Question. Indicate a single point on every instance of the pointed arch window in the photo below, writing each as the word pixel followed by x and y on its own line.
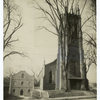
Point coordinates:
pixel 74 70
pixel 50 77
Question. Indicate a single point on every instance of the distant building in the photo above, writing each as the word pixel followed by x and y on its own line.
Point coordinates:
pixel 49 79
pixel 6 85
pixel 21 84
pixel 70 54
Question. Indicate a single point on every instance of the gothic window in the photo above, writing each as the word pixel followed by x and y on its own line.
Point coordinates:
pixel 13 90
pixel 74 70
pixel 22 83
pixel 76 30
pixel 50 77
pixel 73 37
pixel 22 76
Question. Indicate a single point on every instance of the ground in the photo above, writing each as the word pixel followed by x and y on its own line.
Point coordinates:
pixel 12 97
pixel 55 94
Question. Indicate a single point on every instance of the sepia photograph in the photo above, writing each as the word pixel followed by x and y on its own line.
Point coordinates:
pixel 49 49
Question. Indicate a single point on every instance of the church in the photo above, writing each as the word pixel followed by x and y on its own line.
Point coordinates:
pixel 68 71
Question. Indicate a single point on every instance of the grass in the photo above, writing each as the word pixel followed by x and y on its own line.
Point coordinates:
pixel 93 88
pixel 58 93
pixel 93 91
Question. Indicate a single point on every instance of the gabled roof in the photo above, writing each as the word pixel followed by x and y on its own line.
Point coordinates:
pixel 51 62
pixel 22 72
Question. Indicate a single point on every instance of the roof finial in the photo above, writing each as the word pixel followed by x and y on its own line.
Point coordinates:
pixel 72 9
pixel 78 10
pixel 66 7
pixel 44 60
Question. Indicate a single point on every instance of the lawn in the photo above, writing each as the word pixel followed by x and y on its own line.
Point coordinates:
pixel 58 93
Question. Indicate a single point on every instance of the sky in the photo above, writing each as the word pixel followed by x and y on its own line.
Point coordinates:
pixel 38 45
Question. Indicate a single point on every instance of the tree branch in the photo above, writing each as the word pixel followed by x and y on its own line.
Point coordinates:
pixel 83 7
pixel 14 52
pixel 86 21
pixel 41 27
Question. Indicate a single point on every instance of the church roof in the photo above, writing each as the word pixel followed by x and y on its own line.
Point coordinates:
pixel 51 62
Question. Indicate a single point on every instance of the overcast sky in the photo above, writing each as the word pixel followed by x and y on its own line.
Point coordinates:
pixel 38 45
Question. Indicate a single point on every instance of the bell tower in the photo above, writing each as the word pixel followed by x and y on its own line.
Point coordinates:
pixel 70 52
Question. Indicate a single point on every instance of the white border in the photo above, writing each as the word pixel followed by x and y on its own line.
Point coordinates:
pixel 98 49
pixel 1 49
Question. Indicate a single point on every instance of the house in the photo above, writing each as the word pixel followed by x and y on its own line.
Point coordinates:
pixel 70 54
pixel 21 84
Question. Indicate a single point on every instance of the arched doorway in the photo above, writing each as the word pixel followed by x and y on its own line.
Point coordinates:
pixel 21 92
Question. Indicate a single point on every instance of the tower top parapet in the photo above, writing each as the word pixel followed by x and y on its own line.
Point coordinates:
pixel 74 11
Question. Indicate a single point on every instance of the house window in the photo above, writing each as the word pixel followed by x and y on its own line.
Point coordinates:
pixel 29 83
pixel 74 70
pixel 22 76
pixel 50 77
pixel 28 90
pixel 21 92
pixel 14 83
pixel 22 83
pixel 13 90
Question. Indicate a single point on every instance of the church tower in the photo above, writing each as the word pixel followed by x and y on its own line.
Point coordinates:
pixel 70 60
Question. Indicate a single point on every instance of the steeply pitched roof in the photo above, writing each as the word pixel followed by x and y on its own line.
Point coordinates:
pixel 51 62
pixel 22 72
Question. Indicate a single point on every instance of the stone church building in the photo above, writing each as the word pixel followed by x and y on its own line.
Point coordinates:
pixel 21 84
pixel 70 53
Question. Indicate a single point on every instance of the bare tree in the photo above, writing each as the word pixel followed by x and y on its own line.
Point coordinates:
pixel 12 23
pixel 56 13
pixel 91 53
